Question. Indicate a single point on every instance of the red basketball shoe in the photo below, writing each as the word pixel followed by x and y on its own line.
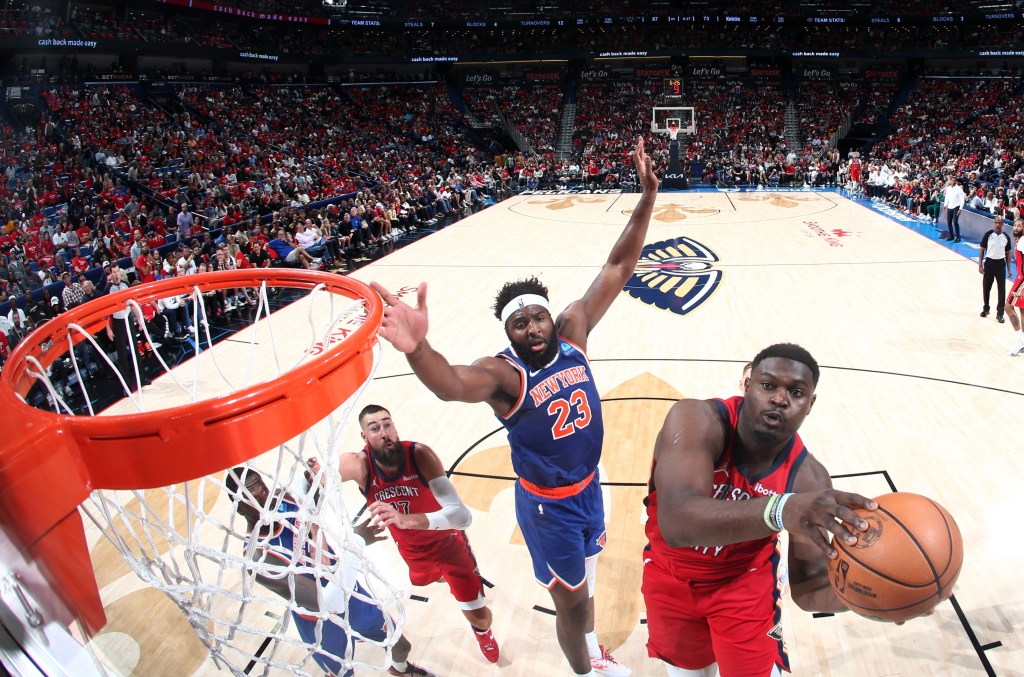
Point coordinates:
pixel 488 645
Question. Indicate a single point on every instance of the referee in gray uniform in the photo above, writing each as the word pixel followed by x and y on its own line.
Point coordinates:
pixel 993 261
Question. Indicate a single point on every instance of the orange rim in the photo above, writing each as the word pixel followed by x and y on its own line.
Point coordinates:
pixel 50 462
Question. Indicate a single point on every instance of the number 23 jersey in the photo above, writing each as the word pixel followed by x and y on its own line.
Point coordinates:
pixel 555 428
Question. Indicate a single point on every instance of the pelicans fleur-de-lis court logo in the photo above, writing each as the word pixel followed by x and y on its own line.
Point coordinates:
pixel 777 200
pixel 676 275
pixel 672 212
pixel 565 201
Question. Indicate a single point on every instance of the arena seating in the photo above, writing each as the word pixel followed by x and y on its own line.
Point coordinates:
pixel 105 161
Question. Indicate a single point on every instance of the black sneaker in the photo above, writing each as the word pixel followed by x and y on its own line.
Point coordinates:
pixel 412 669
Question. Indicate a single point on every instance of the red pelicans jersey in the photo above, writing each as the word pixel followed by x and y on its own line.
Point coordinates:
pixel 716 563
pixel 409 493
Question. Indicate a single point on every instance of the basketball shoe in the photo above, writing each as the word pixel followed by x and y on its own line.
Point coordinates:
pixel 1018 347
pixel 488 645
pixel 607 665
pixel 412 670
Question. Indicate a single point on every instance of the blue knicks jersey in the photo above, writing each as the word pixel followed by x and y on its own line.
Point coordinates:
pixel 555 428
pixel 280 542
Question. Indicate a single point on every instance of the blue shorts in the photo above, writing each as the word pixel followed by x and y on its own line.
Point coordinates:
pixel 562 533
pixel 365 618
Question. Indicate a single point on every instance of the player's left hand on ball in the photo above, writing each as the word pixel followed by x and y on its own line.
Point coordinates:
pixel 369 531
pixel 818 513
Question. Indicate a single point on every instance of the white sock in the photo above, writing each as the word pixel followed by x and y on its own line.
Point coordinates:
pixel 593 646
pixel 401 667
pixel 1020 333
pixel 709 671
pixel 586 674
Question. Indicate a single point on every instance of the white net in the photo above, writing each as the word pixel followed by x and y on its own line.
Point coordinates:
pixel 272 581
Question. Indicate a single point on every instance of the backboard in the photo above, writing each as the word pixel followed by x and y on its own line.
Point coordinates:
pixel 663 116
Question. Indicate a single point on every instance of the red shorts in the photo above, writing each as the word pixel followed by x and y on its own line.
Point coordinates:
pixel 1019 303
pixel 736 623
pixel 452 559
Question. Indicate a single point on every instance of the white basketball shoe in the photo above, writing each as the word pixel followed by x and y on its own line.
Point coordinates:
pixel 609 667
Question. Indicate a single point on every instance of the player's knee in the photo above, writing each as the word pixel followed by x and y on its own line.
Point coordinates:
pixel 572 606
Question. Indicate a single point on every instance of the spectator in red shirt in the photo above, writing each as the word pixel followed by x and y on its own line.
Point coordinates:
pixel 121 222
pixel 144 266
pixel 79 263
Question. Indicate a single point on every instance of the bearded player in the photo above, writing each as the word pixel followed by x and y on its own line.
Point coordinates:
pixel 407 490
pixel 542 390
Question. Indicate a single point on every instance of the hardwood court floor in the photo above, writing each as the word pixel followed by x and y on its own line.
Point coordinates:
pixel 917 394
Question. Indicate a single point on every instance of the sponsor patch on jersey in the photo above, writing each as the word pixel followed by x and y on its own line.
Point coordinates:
pixel 676 275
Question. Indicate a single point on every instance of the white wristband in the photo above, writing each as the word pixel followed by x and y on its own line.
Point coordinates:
pixel 778 511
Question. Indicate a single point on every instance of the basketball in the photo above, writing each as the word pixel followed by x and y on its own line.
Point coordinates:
pixel 904 564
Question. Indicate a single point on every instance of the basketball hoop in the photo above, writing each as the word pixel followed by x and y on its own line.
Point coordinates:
pixel 673 120
pixel 290 400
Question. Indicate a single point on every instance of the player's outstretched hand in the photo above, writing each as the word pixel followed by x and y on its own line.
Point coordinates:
pixel 645 168
pixel 386 515
pixel 370 532
pixel 402 326
pixel 815 514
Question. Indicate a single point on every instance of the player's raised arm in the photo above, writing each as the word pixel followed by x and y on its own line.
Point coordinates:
pixel 624 254
pixel 406 327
